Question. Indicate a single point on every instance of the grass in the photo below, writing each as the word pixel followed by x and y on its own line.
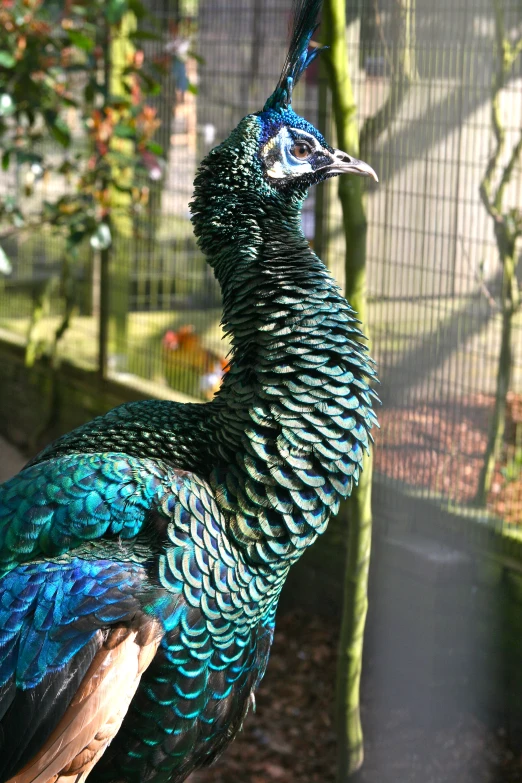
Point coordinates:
pixel 145 331
pixel 396 327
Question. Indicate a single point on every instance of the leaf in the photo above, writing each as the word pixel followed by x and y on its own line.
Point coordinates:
pixel 7 60
pixel 155 148
pixel 24 156
pixel 118 158
pixel 65 167
pixel 5 159
pixel 148 83
pixel 66 100
pixel 60 131
pixel 18 219
pixel 5 265
pixel 81 41
pixel 90 90
pixel 10 203
pixel 197 57
pixel 144 35
pixel 101 239
pixel 137 8
pixel 118 102
pixel 123 131
pixel 57 127
pixel 120 188
pixel 192 88
pixel 76 237
pixel 116 10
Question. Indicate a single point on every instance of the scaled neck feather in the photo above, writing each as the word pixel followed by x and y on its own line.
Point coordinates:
pixel 293 415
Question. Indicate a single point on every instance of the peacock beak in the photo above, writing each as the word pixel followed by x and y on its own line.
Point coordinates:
pixel 342 163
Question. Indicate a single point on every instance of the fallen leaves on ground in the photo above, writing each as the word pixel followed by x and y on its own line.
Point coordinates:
pixel 440 447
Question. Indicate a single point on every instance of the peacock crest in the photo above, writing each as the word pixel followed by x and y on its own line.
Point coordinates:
pixel 299 54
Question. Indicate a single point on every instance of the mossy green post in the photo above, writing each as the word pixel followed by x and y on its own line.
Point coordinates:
pixel 507 224
pixel 121 51
pixel 358 508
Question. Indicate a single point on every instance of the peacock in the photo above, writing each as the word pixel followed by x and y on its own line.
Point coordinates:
pixel 143 554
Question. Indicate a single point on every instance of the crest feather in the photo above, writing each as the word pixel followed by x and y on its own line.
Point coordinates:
pixel 299 57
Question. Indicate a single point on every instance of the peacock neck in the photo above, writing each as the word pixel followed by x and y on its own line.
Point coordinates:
pixel 292 416
pixel 257 280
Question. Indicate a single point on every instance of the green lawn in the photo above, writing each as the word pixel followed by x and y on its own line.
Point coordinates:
pixel 144 356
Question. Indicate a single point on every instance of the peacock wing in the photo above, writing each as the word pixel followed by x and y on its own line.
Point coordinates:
pixel 75 639
pixel 190 705
pixel 71 502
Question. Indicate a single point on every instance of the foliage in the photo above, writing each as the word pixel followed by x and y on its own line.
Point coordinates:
pixel 54 59
pixel 70 117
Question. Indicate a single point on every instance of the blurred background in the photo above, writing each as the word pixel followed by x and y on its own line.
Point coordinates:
pixel 438 90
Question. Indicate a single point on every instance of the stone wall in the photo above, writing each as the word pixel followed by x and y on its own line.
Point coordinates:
pixel 37 406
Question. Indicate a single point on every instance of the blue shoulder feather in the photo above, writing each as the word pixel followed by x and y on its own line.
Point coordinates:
pixel 55 506
pixel 49 611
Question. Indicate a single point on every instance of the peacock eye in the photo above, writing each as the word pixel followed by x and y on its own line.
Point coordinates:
pixel 301 150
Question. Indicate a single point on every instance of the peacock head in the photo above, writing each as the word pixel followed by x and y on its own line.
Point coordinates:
pixel 293 154
pixel 271 158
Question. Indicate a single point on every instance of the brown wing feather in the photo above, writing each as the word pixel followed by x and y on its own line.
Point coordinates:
pixel 98 708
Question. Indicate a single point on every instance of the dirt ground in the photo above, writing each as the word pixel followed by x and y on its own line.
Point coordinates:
pixel 440 447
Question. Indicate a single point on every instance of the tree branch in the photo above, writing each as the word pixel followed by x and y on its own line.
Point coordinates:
pixel 490 203
pixel 379 26
pixel 507 173
pixel 402 67
pixel 479 278
pixel 507 228
pixel 516 49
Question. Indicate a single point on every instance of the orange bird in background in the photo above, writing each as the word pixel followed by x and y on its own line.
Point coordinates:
pixel 185 348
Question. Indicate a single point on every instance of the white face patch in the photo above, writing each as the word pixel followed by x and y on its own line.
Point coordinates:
pixel 279 161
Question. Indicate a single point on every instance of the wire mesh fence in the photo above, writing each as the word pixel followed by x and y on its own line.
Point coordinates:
pixel 436 276
pixel 442 141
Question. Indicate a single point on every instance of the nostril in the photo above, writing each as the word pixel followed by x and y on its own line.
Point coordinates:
pixel 342 156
